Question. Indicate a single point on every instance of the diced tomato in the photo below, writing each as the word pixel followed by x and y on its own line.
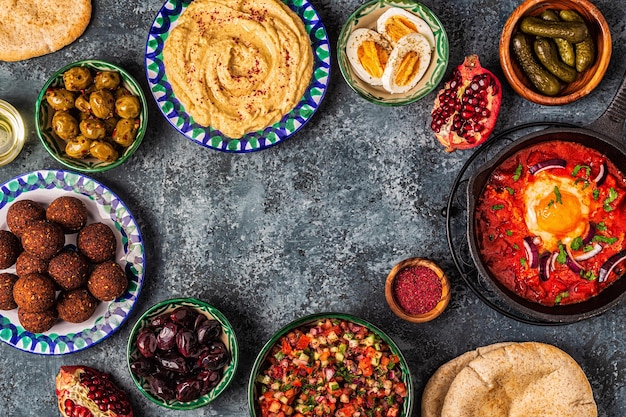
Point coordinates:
pixel 384 361
pixel 286 347
pixel 303 342
pixel 346 411
pixel 297 383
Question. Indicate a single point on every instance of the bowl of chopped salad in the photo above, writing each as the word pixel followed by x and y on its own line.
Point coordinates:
pixel 330 364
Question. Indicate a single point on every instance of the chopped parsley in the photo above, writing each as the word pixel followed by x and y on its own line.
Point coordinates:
pixel 587 248
pixel 562 257
pixel 560 297
pixel 577 168
pixel 604 239
pixel 577 243
pixel 509 233
pixel 497 207
pixel 584 181
pixel 510 190
pixel 612 197
pixel 518 173
pixel 601 226
pixel 588 275
pixel 557 193
pixel 515 246
pixel 522 261
pixel 596 194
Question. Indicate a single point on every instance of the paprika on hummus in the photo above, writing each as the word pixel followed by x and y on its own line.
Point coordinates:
pixel 238 65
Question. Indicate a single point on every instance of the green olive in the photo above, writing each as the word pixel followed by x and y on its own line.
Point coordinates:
pixel 64 125
pixel 125 132
pixel 121 92
pixel 103 151
pixel 102 103
pixel 77 78
pixel 60 99
pixel 82 104
pixel 78 147
pixel 110 124
pixel 107 79
pixel 92 128
pixel 128 107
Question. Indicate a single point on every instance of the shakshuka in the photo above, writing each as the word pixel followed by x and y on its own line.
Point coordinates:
pixel 551 223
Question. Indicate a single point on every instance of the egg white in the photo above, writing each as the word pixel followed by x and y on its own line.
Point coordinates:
pixel 420 24
pixel 543 186
pixel 411 42
pixel 352 46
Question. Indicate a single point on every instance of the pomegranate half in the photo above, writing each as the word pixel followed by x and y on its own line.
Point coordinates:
pixel 86 392
pixel 467 107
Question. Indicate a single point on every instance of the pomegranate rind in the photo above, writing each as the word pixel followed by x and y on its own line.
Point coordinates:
pixel 69 387
pixel 445 134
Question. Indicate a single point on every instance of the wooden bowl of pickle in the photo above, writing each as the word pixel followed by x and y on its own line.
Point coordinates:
pixel 91 115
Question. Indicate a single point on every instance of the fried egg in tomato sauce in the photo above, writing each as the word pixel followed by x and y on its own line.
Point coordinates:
pixel 556 207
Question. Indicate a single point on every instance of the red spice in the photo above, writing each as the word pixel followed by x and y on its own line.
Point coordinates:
pixel 417 289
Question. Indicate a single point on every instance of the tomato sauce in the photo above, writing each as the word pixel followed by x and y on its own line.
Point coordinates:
pixel 501 226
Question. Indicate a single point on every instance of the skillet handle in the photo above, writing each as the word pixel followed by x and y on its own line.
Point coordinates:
pixel 611 122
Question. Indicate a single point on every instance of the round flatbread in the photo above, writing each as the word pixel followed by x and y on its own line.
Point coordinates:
pixel 30 28
pixel 438 384
pixel 520 380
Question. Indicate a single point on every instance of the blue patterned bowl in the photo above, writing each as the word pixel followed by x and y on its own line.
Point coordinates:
pixel 211 138
pixel 103 206
pixel 365 17
pixel 228 337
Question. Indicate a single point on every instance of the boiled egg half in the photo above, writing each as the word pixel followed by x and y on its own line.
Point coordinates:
pixel 557 209
pixel 407 63
pixel 368 52
pixel 395 23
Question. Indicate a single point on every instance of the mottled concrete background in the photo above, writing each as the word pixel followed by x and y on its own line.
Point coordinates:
pixel 311 225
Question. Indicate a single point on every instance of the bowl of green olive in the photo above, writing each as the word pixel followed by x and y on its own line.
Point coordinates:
pixel 555 52
pixel 91 115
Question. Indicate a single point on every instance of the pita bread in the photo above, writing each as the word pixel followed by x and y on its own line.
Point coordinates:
pixel 520 380
pixel 30 28
pixel 438 384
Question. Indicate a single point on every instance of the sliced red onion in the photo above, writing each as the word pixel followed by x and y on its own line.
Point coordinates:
pixel 329 373
pixel 588 255
pixel 571 262
pixel 552 261
pixel 531 252
pixel 590 233
pixel 544 269
pixel 549 164
pixel 609 265
pixel 599 179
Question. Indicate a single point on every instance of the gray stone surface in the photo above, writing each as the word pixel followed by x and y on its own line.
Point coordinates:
pixel 311 225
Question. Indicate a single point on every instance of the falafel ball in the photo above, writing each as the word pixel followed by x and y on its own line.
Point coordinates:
pixel 107 281
pixel 76 306
pixel 37 321
pixel 34 292
pixel 22 213
pixel 69 212
pixel 10 249
pixel 27 263
pixel 69 269
pixel 43 239
pixel 7 281
pixel 97 242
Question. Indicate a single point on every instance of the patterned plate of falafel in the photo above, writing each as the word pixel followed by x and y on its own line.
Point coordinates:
pixel 71 262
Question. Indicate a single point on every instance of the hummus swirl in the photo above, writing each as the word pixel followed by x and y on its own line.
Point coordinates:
pixel 238 65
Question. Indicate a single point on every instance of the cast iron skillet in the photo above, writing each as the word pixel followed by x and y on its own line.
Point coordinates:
pixel 605 135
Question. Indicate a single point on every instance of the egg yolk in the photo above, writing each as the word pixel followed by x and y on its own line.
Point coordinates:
pixel 399 26
pixel 558 213
pixel 408 68
pixel 373 58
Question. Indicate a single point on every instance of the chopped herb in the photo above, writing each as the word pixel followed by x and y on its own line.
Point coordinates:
pixel 509 233
pixel 497 207
pixel 577 168
pixel 390 400
pixel 601 226
pixel 562 257
pixel 279 355
pixel 577 243
pixel 515 246
pixel 558 195
pixel 587 248
pixel 596 194
pixel 588 275
pixel 604 239
pixel 612 197
pixel 518 173
pixel 522 261
pixel 560 297
pixel 550 203
pixel 510 190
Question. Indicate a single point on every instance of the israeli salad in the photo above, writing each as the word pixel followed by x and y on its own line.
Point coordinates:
pixel 331 368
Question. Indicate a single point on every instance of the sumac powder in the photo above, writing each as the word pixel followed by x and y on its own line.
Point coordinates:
pixel 417 289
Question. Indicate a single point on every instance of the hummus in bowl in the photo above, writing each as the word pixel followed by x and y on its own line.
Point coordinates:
pixel 238 66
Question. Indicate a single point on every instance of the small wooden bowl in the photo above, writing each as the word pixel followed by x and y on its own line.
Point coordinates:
pixel 419 318
pixel 586 81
